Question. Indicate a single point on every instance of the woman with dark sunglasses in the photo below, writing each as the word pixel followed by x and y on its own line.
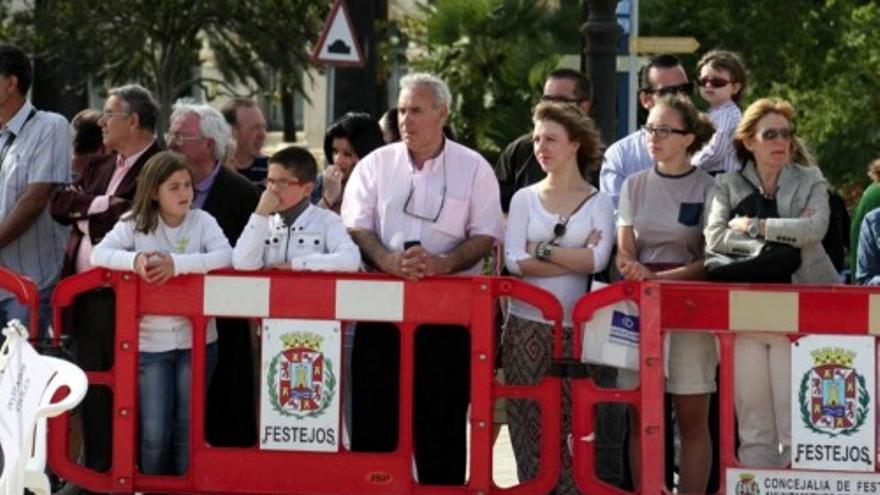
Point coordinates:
pixel 788 199
pixel 722 83
pixel 660 236
pixel 559 232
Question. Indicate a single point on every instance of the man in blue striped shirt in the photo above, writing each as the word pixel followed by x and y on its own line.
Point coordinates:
pixel 662 76
pixel 34 159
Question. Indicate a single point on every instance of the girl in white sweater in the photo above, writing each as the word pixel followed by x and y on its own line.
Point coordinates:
pixel 161 237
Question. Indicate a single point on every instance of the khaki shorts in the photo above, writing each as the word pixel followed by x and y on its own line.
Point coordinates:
pixel 691 362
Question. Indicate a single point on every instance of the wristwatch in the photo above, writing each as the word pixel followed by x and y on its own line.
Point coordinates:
pixel 753 228
pixel 543 250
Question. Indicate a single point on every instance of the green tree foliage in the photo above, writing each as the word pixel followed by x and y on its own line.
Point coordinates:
pixel 159 43
pixel 270 37
pixel 494 54
pixel 822 55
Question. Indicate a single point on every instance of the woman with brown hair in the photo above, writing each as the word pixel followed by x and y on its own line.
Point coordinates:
pixel 559 232
pixel 779 198
pixel 660 236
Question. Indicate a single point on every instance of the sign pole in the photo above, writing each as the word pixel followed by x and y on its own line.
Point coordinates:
pixel 331 92
pixel 633 89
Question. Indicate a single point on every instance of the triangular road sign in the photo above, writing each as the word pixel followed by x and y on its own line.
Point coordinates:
pixel 338 45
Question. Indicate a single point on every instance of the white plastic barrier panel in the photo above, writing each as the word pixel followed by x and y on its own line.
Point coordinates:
pixel 783 482
pixel 832 403
pixel 299 390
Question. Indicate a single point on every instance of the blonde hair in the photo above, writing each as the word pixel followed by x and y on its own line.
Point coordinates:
pixel 145 207
pixel 748 127
pixel 579 128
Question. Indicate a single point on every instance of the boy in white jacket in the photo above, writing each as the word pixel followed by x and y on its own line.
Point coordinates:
pixel 287 232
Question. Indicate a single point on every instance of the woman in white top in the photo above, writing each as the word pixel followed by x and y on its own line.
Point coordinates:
pixel 660 236
pixel 559 232
pixel 161 237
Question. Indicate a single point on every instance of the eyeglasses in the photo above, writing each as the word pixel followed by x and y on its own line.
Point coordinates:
pixel 785 133
pixel 560 99
pixel 662 132
pixel 715 82
pixel 283 183
pixel 106 114
pixel 412 189
pixel 686 88
pixel 179 138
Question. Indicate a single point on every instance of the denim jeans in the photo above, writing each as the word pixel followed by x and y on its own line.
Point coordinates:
pixel 11 309
pixel 163 395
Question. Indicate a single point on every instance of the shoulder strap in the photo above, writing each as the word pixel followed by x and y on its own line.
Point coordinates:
pixel 578 207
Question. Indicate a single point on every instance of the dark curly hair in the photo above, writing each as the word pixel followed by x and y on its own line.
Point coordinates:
pixel 361 130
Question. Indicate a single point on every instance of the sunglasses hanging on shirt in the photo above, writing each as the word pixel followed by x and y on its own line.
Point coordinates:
pixel 560 227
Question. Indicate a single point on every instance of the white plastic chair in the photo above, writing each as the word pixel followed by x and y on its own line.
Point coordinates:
pixel 23 422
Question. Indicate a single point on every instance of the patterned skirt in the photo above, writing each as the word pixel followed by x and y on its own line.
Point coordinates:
pixel 526 357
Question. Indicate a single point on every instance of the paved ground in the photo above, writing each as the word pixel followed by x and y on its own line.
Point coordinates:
pixel 504 468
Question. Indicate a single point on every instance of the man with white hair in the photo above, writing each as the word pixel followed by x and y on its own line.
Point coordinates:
pixel 200 133
pixel 420 207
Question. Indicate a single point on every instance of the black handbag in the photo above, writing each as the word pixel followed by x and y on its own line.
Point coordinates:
pixel 773 263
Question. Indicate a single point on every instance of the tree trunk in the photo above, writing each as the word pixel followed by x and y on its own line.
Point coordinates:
pixel 288 115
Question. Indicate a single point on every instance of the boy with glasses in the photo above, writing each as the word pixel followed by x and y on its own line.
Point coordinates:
pixel 286 231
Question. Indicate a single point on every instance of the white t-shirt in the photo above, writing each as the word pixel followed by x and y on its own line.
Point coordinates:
pixel 528 221
pixel 197 245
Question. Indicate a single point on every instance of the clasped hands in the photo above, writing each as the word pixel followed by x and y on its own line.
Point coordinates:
pixel 154 267
pixel 415 263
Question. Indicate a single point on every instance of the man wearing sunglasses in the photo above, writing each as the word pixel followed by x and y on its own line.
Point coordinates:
pixel 420 207
pixel 664 75
pixel 517 166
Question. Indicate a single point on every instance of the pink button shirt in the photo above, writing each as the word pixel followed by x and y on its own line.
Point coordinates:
pixel 101 204
pixel 380 184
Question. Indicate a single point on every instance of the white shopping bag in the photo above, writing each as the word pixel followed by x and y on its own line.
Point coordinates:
pixel 611 337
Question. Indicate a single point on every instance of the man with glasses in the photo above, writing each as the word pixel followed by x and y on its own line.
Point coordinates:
pixel 34 157
pixel 420 207
pixel 663 75
pixel 200 133
pixel 92 205
pixel 517 166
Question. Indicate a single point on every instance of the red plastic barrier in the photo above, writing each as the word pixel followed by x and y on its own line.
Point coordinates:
pixel 25 291
pixel 465 301
pixel 723 309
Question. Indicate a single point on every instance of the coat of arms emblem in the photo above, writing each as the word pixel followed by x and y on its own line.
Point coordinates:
pixel 833 396
pixel 747 485
pixel 301 380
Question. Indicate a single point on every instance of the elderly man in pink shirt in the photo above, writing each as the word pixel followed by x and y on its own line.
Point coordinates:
pixel 420 207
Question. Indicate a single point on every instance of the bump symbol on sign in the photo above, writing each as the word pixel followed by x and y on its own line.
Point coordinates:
pixel 339 46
